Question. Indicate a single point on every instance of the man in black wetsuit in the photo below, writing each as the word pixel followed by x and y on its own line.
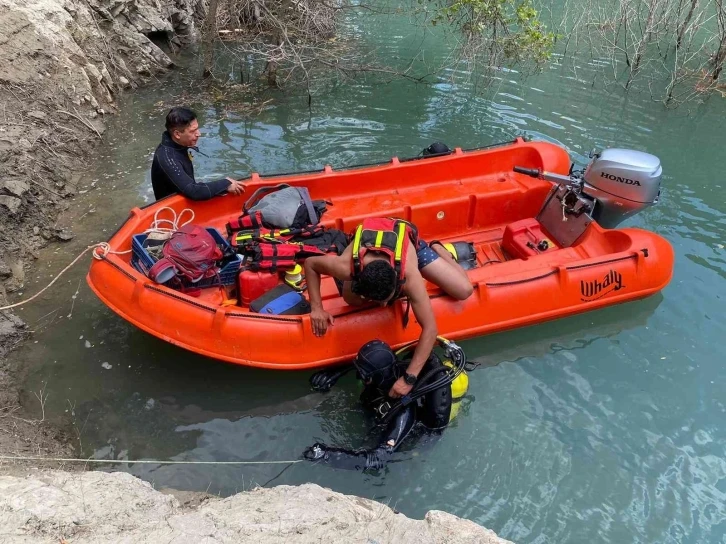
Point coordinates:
pixel 172 170
pixel 379 367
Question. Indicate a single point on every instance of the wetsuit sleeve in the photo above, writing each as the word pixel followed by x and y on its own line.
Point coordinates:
pixel 185 183
pixel 368 459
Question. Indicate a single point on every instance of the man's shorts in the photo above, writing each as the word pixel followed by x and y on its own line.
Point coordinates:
pixel 425 255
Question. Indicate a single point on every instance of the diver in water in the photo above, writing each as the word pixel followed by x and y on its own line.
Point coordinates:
pixel 433 402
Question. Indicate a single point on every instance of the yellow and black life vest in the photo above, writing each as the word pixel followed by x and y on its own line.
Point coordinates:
pixel 389 236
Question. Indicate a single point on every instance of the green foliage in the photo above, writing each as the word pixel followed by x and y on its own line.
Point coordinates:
pixel 498 31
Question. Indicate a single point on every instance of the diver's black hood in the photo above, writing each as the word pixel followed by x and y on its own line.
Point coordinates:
pixel 376 365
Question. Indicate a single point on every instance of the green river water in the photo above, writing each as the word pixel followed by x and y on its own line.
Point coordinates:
pixel 606 427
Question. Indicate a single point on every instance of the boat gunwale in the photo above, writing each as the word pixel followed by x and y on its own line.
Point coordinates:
pixel 131 273
pixel 461 334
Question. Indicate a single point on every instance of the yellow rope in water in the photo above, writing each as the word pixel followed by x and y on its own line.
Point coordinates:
pixel 106 248
pixel 146 461
pixel 44 289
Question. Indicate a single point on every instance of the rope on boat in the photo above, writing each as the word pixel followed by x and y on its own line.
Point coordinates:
pixel 156 227
pixel 145 461
pixel 162 232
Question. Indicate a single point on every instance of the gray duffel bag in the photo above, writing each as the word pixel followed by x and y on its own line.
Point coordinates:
pixel 283 206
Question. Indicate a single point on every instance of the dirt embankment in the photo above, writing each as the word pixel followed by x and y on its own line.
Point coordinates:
pixel 100 507
pixel 64 62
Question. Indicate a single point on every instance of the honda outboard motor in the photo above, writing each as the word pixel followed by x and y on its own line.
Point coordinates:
pixel 623 182
pixel 616 184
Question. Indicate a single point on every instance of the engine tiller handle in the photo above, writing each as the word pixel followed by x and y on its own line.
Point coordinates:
pixel 534 172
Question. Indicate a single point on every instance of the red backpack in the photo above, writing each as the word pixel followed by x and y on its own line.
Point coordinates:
pixel 191 253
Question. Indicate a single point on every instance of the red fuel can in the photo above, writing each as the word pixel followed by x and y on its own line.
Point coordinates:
pixel 525 238
pixel 251 285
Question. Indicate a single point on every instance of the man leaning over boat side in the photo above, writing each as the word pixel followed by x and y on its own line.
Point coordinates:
pixel 374 275
pixel 172 170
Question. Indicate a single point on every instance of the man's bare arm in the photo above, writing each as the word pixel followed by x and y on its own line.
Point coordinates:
pixel 315 267
pixel 415 289
pixel 424 313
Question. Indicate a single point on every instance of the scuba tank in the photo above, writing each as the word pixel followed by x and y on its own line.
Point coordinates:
pixel 459 387
pixel 462 252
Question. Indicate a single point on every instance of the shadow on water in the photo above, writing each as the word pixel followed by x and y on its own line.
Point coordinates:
pixel 569 334
pixel 172 388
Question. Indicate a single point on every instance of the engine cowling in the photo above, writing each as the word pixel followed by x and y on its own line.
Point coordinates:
pixel 623 182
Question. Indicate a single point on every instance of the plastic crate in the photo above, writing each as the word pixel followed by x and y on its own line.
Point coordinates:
pixel 142 261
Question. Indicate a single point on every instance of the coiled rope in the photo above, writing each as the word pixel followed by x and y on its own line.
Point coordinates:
pixel 145 461
pixel 156 231
pixel 156 227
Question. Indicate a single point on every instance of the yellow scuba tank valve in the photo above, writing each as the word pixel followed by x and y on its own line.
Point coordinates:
pixel 460 384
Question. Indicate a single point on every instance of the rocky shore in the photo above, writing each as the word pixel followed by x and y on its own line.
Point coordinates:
pixel 64 63
pixel 99 507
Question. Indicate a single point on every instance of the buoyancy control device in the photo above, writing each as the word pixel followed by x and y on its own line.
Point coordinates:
pixel 426 383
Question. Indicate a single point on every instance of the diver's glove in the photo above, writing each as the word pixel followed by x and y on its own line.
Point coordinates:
pixel 324 379
pixel 316 452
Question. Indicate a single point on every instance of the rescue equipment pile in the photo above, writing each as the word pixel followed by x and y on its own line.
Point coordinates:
pixel 272 235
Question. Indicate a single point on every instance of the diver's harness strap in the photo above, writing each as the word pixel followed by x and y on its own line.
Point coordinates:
pixel 424 385
pixel 381 409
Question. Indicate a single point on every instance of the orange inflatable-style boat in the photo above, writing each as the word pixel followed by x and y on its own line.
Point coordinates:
pixel 543 251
